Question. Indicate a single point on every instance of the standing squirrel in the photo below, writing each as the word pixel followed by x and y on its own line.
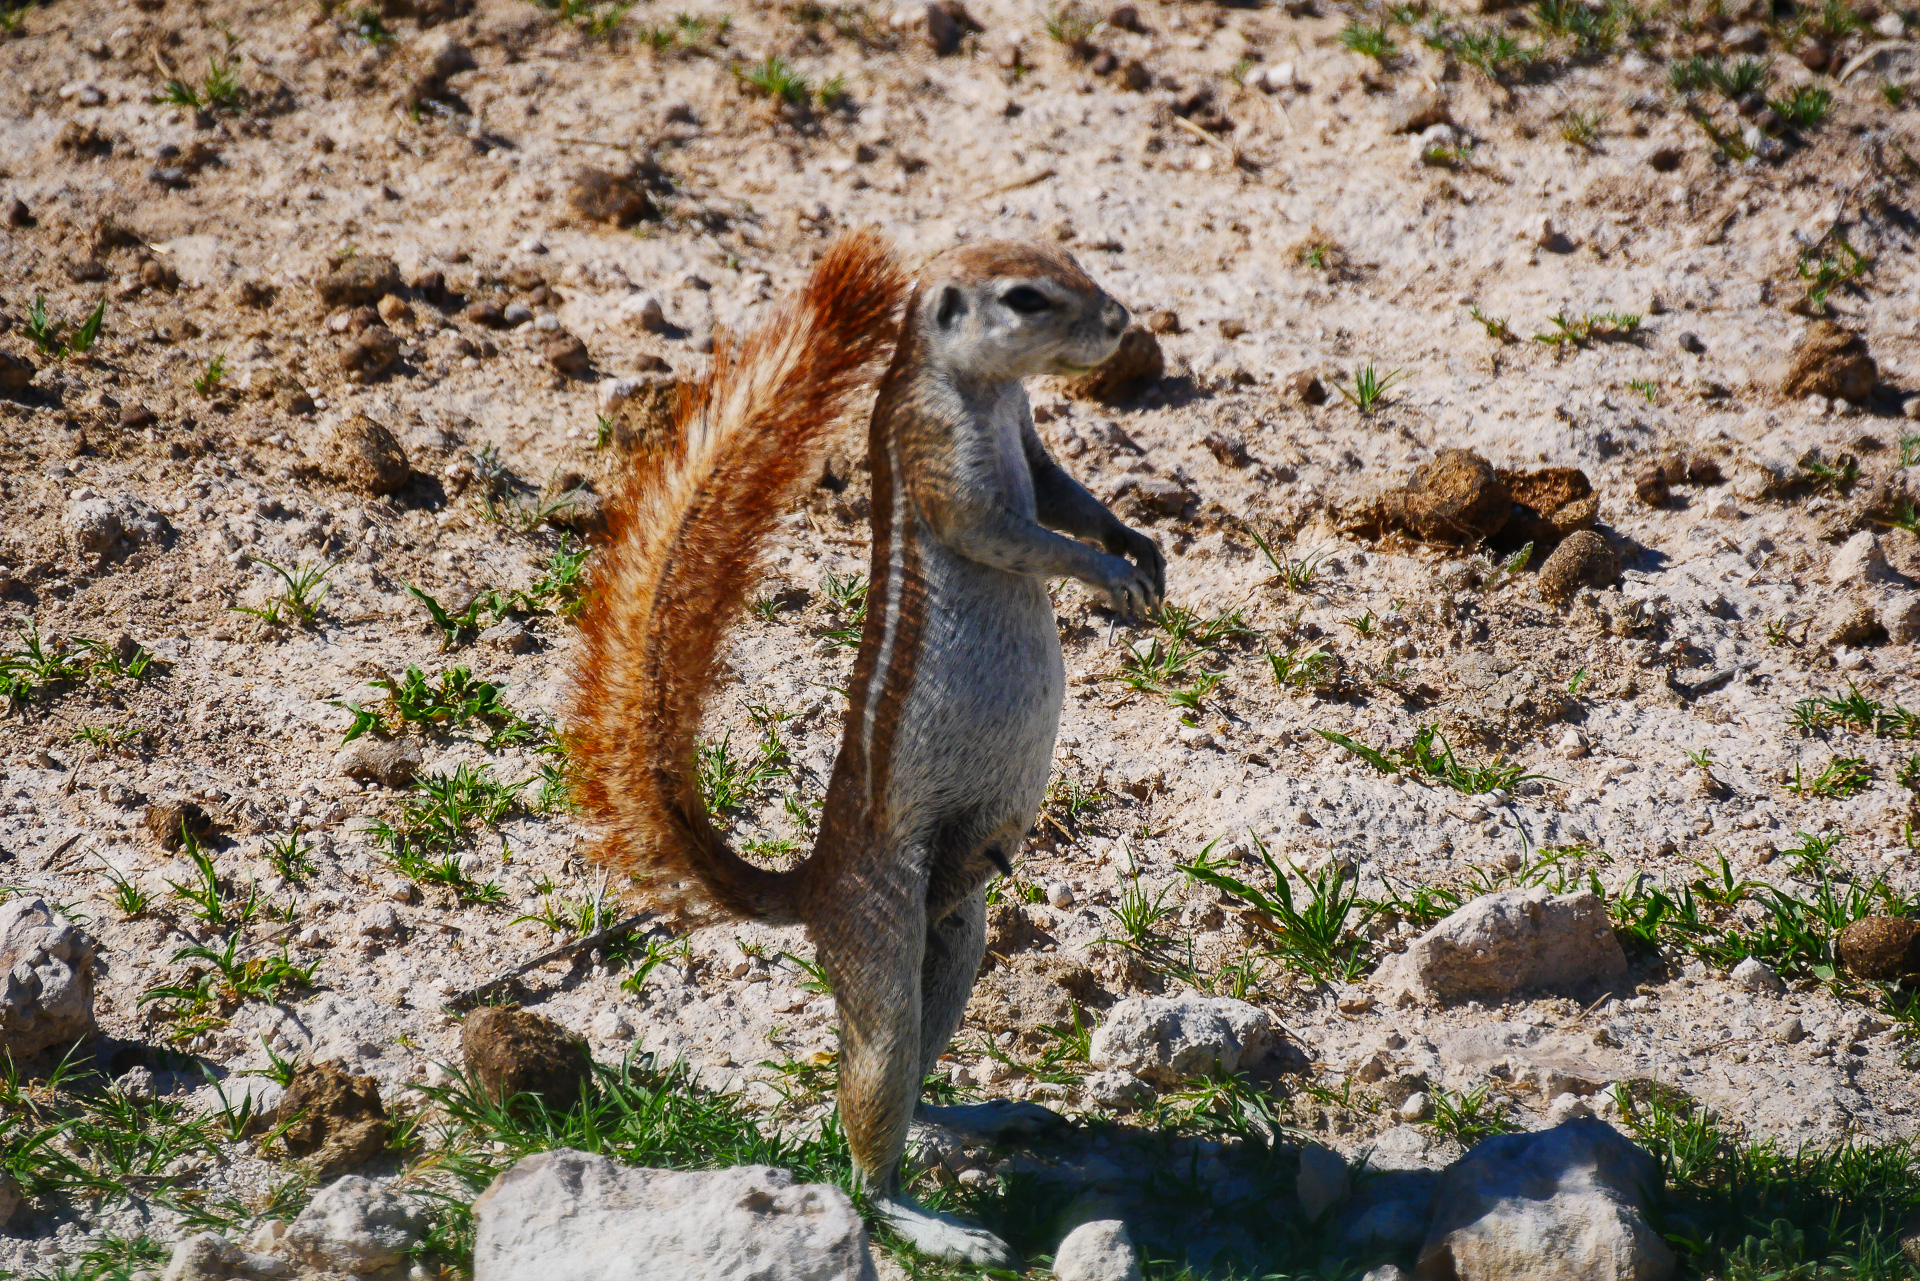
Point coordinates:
pixel 957 688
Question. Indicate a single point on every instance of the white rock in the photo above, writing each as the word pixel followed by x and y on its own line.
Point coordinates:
pixel 1756 975
pixel 1387 1272
pixel 532 245
pixel 1275 77
pixel 1889 25
pixel 1323 1181
pixel 1566 1204
pixel 1567 1107
pixel 379 921
pixel 209 1256
pixel 1116 1090
pixel 612 1025
pixel 1059 894
pixel 1572 744
pixel 46 979
pixel 1414 1107
pixel 1097 1251
pixel 571 1216
pixel 1900 616
pixel 1859 561
pixel 1505 942
pixel 354 1225
pixel 101 526
pixel 644 312
pixel 1168 1039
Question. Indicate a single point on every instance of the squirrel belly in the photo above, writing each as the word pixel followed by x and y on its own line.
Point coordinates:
pixel 687 533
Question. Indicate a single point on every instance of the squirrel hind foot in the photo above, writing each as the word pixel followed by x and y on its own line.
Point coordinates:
pixel 943 1236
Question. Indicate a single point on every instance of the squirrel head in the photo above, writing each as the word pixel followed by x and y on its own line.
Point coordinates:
pixel 1004 309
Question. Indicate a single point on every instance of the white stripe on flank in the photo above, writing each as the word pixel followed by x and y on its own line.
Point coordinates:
pixel 877 681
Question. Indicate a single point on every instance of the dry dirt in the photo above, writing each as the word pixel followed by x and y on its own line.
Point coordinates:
pixel 1287 230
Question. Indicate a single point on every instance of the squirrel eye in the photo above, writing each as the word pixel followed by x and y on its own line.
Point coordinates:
pixel 1026 300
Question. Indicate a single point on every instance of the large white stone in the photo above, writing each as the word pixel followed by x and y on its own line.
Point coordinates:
pixel 46 979
pixel 572 1216
pixel 1566 1204
pixel 1097 1251
pixel 1170 1039
pixel 354 1225
pixel 1509 941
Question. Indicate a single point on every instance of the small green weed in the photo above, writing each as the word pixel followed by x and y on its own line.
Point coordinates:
pixel 1369 387
pixel 1804 107
pixel 49 335
pixel 299 596
pixel 1468 1117
pixel 1369 41
pixel 1582 128
pixel 1842 776
pixel 208 380
pixel 1831 264
pixel 1070 25
pixel 1595 326
pixel 775 78
pixel 453 702
pixel 1430 756
pixel 1496 326
pixel 1319 936
pixel 288 855
pixel 846 595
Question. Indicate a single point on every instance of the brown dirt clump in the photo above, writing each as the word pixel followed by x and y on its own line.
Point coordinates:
pixel 599 195
pixel 363 455
pixel 333 1118
pixel 1881 948
pixel 1456 498
pixel 359 281
pixel 511 1052
pixel 166 819
pixel 1135 365
pixel 1548 504
pixel 1833 362
pixel 1582 559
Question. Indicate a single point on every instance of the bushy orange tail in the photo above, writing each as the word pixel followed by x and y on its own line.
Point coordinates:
pixel 688 530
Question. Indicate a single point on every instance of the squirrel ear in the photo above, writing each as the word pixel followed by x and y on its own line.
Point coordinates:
pixel 952 305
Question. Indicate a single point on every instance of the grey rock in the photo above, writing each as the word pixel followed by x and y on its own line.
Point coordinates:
pixel 1756 975
pixel 1116 1090
pixel 209 1256
pixel 390 762
pixel 1900 618
pixel 1565 1204
pixel 1388 1214
pixel 102 527
pixel 1166 1040
pixel 1417 110
pixel 1387 1272
pixel 509 634
pixel 572 1216
pixel 1509 941
pixel 1322 1183
pixel 1097 1251
pixel 1790 1031
pixel 46 979
pixel 354 1225
pixel 1859 561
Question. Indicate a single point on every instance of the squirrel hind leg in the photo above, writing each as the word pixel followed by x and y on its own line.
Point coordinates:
pixel 942 1236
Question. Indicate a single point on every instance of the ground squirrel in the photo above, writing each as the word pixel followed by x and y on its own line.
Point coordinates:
pixel 956 692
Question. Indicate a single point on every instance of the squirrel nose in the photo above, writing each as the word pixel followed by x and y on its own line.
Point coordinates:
pixel 1116 318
